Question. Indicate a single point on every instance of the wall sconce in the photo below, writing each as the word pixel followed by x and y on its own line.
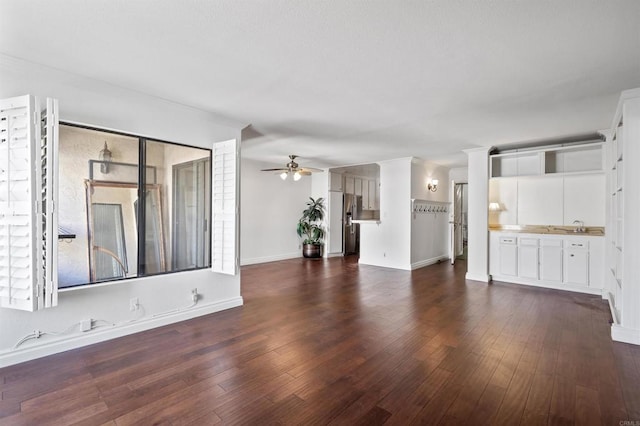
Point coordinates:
pixel 105 157
pixel 432 185
pixel 495 207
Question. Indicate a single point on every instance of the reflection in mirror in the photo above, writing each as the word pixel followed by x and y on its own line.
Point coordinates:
pixel 110 249
pixel 122 196
pixel 107 251
pixel 154 232
pixel 186 173
pixel 191 200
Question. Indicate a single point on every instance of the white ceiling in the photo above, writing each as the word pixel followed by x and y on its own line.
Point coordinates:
pixel 344 82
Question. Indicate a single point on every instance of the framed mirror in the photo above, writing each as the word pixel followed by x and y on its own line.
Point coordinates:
pixel 112 222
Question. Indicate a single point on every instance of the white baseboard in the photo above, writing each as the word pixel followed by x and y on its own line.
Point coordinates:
pixel 427 262
pixel 403 267
pixel 614 314
pixel 39 349
pixel 485 278
pixel 334 255
pixel 265 259
pixel 626 335
pixel 548 284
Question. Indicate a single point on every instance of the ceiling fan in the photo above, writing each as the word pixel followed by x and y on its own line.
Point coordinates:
pixel 293 168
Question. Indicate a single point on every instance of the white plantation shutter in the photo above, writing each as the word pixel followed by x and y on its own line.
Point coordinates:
pixel 49 193
pixel 224 199
pixel 26 250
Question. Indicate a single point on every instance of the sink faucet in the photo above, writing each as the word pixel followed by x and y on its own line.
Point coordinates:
pixel 580 228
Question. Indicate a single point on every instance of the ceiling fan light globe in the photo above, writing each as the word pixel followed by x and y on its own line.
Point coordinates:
pixel 297 176
pixel 284 175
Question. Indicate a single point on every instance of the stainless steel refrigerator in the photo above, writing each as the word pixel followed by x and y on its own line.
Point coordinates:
pixel 352 209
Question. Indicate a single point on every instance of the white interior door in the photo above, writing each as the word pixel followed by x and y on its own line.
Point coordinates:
pixel 456 222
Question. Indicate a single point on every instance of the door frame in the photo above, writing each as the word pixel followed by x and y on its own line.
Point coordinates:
pixel 452 193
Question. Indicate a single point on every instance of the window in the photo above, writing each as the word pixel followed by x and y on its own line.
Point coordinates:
pixel 126 232
pixel 128 206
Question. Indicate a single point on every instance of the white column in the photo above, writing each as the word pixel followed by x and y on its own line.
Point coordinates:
pixel 478 233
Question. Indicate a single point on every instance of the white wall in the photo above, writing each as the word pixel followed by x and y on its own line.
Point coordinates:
pixel 429 231
pixel 478 235
pixel 270 211
pixel 459 175
pixel 388 243
pixel 95 103
pixel 421 172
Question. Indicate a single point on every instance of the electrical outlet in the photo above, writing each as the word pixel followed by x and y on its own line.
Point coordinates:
pixel 194 294
pixel 134 304
pixel 85 324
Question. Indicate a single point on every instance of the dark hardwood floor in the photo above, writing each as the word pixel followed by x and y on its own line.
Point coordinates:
pixel 331 342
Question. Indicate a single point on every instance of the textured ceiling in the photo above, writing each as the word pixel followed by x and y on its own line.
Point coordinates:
pixel 346 82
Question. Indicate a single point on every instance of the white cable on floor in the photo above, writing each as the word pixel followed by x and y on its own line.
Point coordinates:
pixel 37 333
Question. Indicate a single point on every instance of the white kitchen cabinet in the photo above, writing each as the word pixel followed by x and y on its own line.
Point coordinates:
pixel 565 262
pixel 377 189
pixel 349 185
pixel 365 194
pixel 508 264
pixel 577 263
pixel 373 202
pixel 335 183
pixel 549 186
pixel 528 258
pixel 586 157
pixel 551 260
pixel 366 188
pixel 357 183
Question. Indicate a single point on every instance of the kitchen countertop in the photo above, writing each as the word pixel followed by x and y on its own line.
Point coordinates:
pixel 591 231
pixel 365 221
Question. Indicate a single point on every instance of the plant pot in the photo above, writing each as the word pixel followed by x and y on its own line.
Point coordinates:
pixel 312 251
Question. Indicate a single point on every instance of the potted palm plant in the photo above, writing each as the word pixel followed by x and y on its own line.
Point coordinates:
pixel 310 226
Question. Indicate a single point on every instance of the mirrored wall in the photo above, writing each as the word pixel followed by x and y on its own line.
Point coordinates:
pixel 104 214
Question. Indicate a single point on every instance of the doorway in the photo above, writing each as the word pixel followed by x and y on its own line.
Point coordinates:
pixel 459 222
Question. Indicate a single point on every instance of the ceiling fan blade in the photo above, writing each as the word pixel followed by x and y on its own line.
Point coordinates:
pixel 292 167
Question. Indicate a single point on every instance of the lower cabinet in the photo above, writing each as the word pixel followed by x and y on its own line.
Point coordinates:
pixel 528 258
pixel 551 260
pixel 577 263
pixel 508 256
pixel 557 261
